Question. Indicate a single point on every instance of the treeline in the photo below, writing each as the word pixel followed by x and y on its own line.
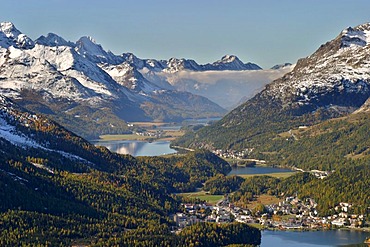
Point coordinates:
pixel 261 126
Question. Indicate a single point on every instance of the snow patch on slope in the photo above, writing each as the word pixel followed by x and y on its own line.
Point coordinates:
pixel 10 134
pixel 360 36
pixel 8 131
pixel 43 167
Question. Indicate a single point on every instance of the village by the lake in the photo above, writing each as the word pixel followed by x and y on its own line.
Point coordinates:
pixel 289 214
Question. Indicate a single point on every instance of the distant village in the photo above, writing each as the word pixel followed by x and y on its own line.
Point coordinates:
pixel 154 134
pixel 290 214
pixel 233 154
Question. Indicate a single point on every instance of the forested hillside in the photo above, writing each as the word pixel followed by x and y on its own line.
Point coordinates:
pixel 340 147
pixel 332 144
pixel 56 189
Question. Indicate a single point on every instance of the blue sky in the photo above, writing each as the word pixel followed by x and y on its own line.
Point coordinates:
pixel 266 32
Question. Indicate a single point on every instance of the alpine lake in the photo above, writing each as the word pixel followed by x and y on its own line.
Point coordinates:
pixel 150 147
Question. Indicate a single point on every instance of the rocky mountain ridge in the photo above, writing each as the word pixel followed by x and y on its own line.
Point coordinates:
pixel 74 81
pixel 336 74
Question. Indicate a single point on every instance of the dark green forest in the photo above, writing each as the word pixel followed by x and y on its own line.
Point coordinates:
pixel 59 207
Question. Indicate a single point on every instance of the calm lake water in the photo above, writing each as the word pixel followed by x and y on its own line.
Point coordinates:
pixel 138 148
pixel 256 170
pixel 312 239
pixel 143 148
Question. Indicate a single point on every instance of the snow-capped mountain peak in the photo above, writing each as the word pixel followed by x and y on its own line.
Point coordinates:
pixel 281 66
pixel 175 65
pixel 11 36
pixel 9 29
pixel 52 39
pixel 230 62
pixel 147 64
pixel 133 60
pixel 229 59
pixel 87 47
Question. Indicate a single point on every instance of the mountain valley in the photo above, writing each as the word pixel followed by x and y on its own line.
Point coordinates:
pixel 57 189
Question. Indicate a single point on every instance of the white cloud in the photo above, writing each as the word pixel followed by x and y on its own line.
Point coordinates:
pixel 226 88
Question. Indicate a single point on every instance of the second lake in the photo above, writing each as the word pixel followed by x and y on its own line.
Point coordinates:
pixel 240 170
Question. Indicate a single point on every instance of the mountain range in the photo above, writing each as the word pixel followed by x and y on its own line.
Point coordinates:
pixel 92 91
pixel 332 82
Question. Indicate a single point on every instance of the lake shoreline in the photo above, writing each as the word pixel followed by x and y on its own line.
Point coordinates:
pixel 364 230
